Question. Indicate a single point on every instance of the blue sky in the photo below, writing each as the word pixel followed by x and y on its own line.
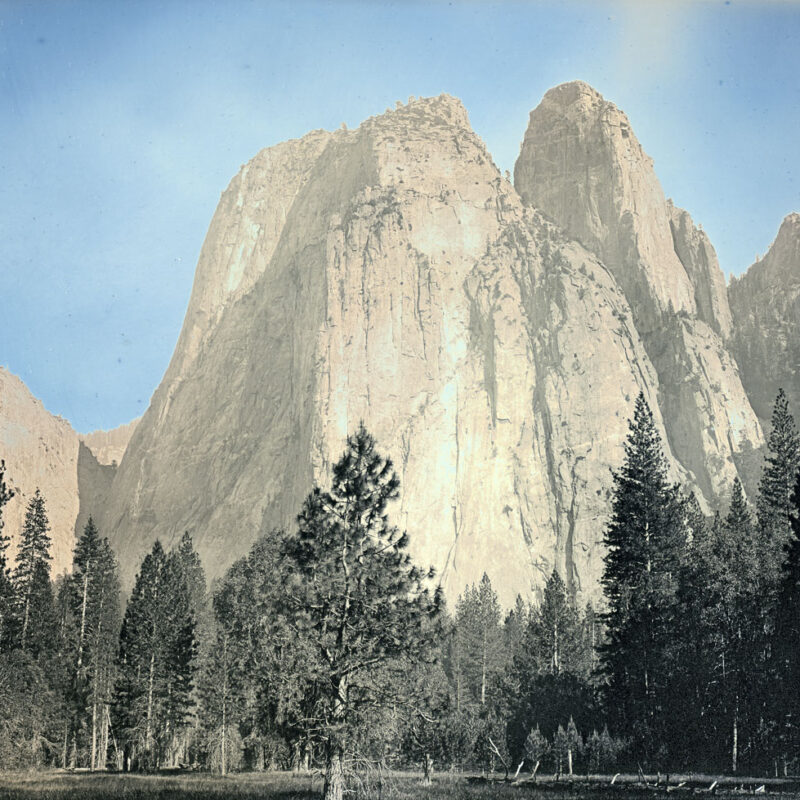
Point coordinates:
pixel 121 124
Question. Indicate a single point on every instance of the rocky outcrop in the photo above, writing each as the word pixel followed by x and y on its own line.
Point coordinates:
pixel 94 488
pixel 40 451
pixel 765 302
pixel 108 447
pixel 390 274
pixel 582 166
pixel 699 259
pixel 43 451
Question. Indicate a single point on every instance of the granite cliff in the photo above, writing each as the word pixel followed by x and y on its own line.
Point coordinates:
pixel 582 165
pixel 492 336
pixel 765 302
pixel 43 451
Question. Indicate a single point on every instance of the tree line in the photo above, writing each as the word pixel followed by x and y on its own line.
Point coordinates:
pixel 326 646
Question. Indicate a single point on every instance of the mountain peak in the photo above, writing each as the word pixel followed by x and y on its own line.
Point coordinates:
pixel 581 165
pixel 790 228
pixel 781 264
pixel 572 92
pixel 443 109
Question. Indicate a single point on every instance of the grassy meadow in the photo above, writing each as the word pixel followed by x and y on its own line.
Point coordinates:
pixel 58 785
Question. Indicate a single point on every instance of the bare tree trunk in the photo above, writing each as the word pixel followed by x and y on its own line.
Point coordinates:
pixel 296 756
pixel 569 760
pixel 105 726
pixel 334 776
pixel 458 679
pixel 427 768
pixel 94 736
pixel 148 731
pixel 735 744
pixel 224 736
pixel 334 771
pixel 483 672
pixel 25 622
pixel 83 621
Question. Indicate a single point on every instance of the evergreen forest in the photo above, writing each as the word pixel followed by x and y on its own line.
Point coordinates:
pixel 327 648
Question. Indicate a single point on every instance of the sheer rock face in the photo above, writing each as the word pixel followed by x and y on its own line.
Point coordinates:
pixel 581 165
pixel 492 338
pixel 43 451
pixel 765 302
pixel 108 447
pixel 40 451
pixel 391 275
pixel 699 259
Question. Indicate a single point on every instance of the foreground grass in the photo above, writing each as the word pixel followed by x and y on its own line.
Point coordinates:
pixel 82 786
pixel 288 786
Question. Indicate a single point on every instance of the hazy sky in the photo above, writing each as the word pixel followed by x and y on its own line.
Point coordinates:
pixel 122 122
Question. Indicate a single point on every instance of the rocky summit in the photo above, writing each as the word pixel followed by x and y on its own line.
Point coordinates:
pixel 493 337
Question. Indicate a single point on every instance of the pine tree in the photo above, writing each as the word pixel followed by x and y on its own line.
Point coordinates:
pixel 93 591
pixel 6 587
pixel 222 700
pixel 722 640
pixel 645 539
pixel 554 634
pixel 775 509
pixel 84 564
pixel 537 748
pixel 574 745
pixel 180 664
pixel 156 664
pixel 194 575
pixel 104 640
pixel 593 753
pixel 786 641
pixel 560 749
pixel 256 678
pixel 590 642
pixel 695 659
pixel 514 627
pixel 549 679
pixel 479 639
pixel 35 610
pixel 355 598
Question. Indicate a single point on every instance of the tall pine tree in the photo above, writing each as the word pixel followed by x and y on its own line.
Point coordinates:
pixel 549 676
pixel 645 540
pixel 156 664
pixel 93 590
pixel 786 642
pixel 554 636
pixel 355 599
pixel 191 566
pixel 35 617
pixel 6 587
pixel 775 508
pixel 479 639
pixel 722 636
